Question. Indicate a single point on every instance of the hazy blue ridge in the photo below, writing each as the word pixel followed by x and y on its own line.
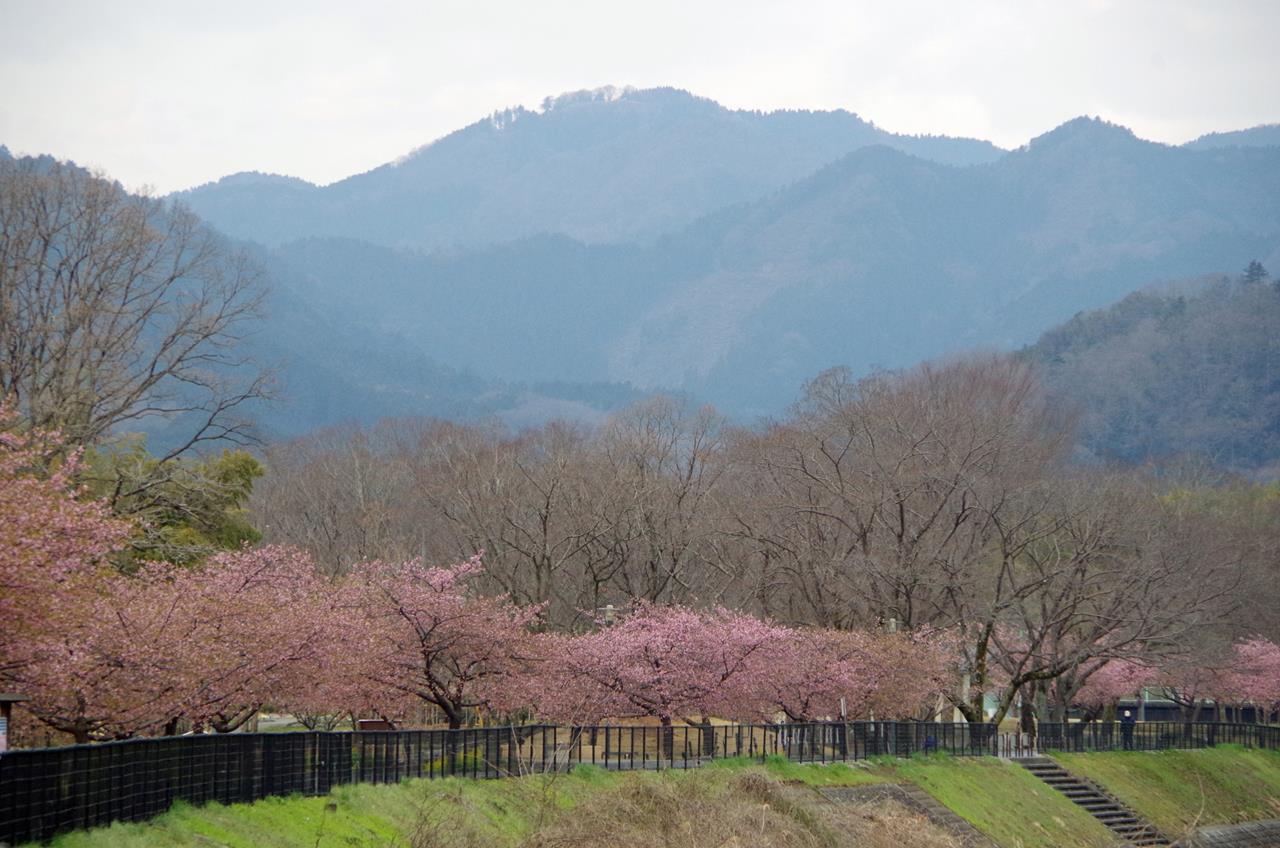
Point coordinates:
pixel 603 166
pixel 878 259
pixel 1266 135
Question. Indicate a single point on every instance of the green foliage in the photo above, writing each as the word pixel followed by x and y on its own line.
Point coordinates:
pixel 497 813
pixel 835 774
pixel 185 508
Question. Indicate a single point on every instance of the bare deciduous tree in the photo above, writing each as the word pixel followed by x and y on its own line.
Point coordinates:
pixel 670 460
pixel 116 308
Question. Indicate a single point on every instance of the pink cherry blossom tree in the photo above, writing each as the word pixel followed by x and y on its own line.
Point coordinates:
pixel 134 654
pixel 917 668
pixel 811 670
pixel 256 623
pixel 1103 682
pixel 1254 676
pixel 416 634
pixel 52 539
pixel 1194 677
pixel 813 673
pixel 54 545
pixel 667 662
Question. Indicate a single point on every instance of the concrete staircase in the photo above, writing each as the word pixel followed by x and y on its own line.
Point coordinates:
pixel 1122 821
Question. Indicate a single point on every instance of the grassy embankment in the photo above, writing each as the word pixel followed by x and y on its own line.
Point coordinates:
pixel 1180 790
pixel 733 803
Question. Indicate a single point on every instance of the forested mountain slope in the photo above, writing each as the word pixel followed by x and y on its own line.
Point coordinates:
pixel 879 259
pixel 1266 135
pixel 330 369
pixel 1162 374
pixel 598 166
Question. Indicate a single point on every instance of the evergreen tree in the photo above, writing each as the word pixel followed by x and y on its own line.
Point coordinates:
pixel 1254 273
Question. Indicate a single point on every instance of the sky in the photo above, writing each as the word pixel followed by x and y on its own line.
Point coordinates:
pixel 168 95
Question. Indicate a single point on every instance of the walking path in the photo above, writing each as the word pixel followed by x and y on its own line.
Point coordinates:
pixel 1260 834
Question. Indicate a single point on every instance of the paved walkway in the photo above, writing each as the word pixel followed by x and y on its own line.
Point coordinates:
pixel 1261 834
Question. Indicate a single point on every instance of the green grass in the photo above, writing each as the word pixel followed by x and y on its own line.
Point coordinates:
pixel 1178 790
pixel 499 812
pixel 1004 801
pixel 780 768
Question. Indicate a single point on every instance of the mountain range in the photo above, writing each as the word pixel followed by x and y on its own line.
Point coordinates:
pixel 563 260
pixel 598 166
pixel 894 250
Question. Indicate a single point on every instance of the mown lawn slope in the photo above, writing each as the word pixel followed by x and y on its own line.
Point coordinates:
pixel 1006 802
pixel 1180 790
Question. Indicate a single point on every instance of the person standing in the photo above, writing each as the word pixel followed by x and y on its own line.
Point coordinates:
pixel 1127 723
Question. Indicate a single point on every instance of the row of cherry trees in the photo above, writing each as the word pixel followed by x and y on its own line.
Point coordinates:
pixel 134 655
pixel 109 655
pixel 1248 674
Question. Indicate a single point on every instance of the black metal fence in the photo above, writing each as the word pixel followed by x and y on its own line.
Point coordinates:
pixel 1154 736
pixel 52 790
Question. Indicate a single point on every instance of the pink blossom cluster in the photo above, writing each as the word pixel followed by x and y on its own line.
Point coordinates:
pixel 1246 673
pixel 677 663
pixel 1254 674
pixel 1110 680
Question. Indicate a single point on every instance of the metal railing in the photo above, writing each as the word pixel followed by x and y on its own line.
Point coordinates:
pixel 1154 736
pixel 48 791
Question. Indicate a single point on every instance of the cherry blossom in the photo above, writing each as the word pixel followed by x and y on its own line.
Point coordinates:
pixel 668 662
pixel 414 634
pixel 1254 676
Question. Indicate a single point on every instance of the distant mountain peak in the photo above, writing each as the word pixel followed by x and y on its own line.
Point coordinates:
pixel 603 94
pixel 601 165
pixel 661 96
pixel 1091 130
pixel 245 179
pixel 873 158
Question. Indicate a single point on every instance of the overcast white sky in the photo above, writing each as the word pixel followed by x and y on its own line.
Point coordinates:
pixel 171 94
